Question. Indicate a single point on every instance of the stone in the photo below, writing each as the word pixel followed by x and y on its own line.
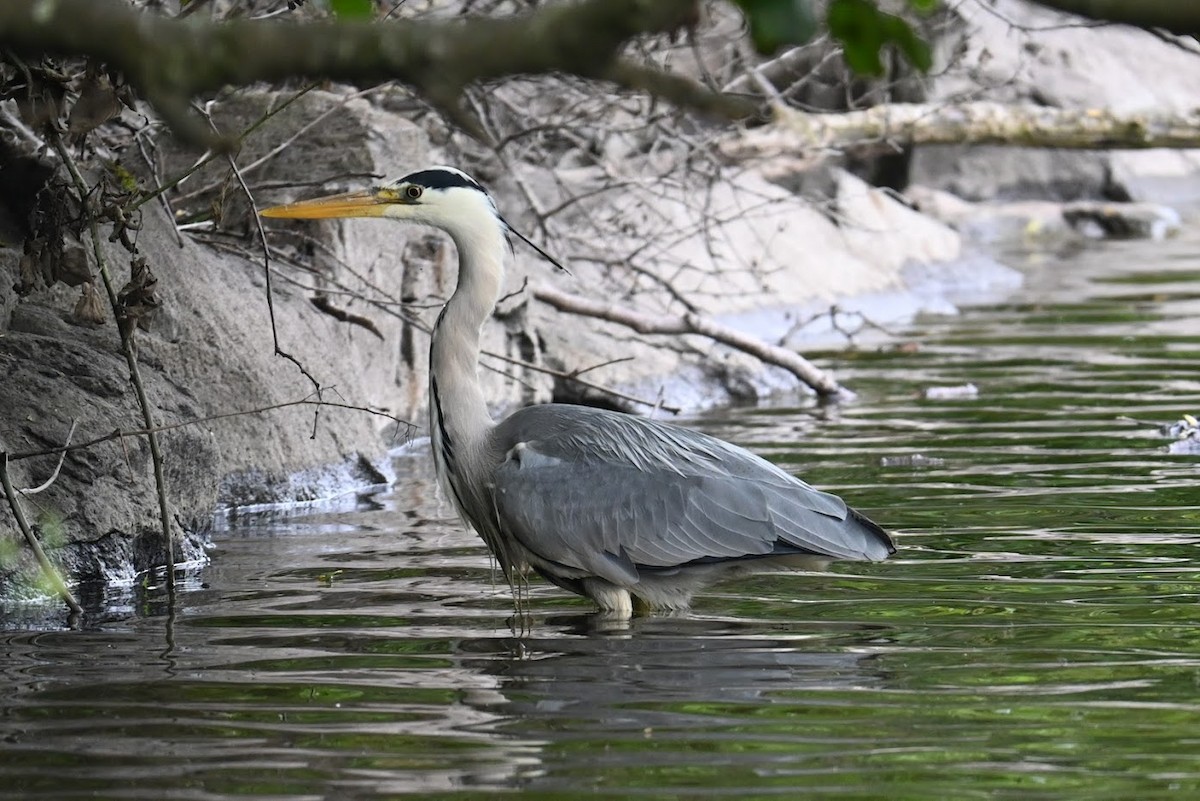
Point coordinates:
pixel 1044 222
pixel 993 172
pixel 1164 176
pixel 1122 220
pixel 1018 51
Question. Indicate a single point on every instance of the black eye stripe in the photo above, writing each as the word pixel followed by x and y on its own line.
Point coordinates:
pixel 441 179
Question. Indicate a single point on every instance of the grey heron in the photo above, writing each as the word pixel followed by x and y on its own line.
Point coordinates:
pixel 618 508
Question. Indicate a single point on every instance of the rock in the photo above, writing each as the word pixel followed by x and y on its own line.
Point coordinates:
pixel 1165 176
pixel 1018 51
pixel 1024 51
pixel 987 173
pixel 1122 220
pixel 888 234
pixel 1025 222
pixel 960 392
pixel 990 172
pixel 101 512
pixel 1045 222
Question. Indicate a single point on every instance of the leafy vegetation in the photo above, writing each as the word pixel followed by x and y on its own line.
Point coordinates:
pixel 863 29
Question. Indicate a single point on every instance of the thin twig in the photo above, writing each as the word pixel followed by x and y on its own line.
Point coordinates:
pixel 266 254
pixel 183 176
pixel 804 370
pixel 58 467
pixel 118 434
pixel 282 146
pixel 575 377
pixel 52 574
pixel 608 363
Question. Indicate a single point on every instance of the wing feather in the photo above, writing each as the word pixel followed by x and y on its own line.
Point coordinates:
pixel 611 494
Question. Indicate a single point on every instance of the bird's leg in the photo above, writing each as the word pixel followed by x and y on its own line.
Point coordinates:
pixel 613 601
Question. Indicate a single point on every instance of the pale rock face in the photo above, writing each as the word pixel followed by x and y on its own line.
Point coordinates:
pixel 887 234
pixel 1018 51
pixel 761 245
pixel 1023 50
pixel 1161 176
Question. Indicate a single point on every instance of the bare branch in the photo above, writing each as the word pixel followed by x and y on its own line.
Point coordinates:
pixel 146 432
pixel 808 373
pixel 45 485
pixel 171 61
pixel 125 329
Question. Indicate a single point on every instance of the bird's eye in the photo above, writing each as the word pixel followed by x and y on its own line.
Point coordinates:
pixel 412 191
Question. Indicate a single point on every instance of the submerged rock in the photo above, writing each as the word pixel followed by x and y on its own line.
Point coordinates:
pixel 1122 220
pixel 1187 436
pixel 959 392
pixel 1042 221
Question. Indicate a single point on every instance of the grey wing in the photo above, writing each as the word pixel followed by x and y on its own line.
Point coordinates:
pixel 609 494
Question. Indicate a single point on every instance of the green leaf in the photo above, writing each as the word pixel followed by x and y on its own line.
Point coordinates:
pixel 923 6
pixel 352 9
pixel 914 48
pixel 864 31
pixel 775 24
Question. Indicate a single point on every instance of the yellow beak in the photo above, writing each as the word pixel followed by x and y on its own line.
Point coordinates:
pixel 363 203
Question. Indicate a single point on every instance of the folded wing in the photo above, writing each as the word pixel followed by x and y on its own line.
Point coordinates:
pixel 612 495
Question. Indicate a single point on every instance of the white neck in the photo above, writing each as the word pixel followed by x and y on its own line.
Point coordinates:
pixel 454 352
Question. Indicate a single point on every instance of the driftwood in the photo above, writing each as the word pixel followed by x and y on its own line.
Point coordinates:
pixel 795 132
pixel 690 323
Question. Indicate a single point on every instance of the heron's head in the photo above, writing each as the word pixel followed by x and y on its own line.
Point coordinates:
pixel 440 196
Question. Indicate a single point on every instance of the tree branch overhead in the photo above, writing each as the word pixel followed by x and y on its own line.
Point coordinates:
pixel 171 60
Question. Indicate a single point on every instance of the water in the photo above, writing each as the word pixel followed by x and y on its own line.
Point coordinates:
pixel 1036 637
